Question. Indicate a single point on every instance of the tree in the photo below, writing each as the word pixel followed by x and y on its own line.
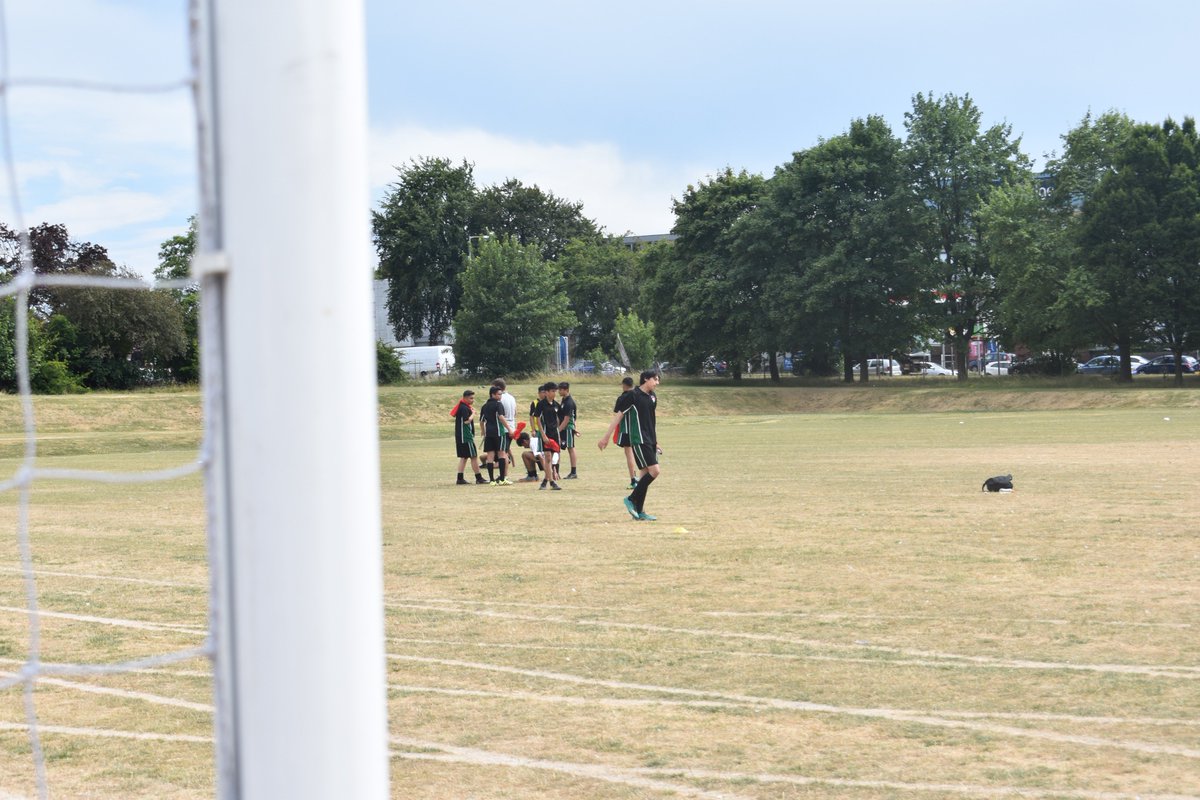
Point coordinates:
pixel 513 308
pixel 701 300
pixel 108 338
pixel 174 263
pixel 954 165
pixel 1140 235
pixel 638 339
pixel 531 217
pixel 117 334
pixel 422 236
pixel 1031 253
pixel 600 281
pixel 840 222
pixel 1090 152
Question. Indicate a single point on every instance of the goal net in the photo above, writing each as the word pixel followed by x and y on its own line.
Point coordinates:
pixel 291 655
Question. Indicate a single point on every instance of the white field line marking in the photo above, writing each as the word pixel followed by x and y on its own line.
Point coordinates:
pixel 119 623
pixel 950 788
pixel 634 776
pixel 108 734
pixel 889 714
pixel 987 661
pixel 127 694
pixel 937 618
pixel 630 702
pixel 1035 716
pixel 606 702
pixel 876 662
pixel 50 666
pixel 113 578
pixel 600 772
pixel 802 614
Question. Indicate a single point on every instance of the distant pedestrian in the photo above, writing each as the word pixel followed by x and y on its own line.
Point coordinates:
pixel 464 437
pixel 638 408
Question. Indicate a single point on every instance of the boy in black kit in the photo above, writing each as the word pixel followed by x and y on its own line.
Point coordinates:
pixel 568 411
pixel 547 418
pixel 464 437
pixel 637 409
pixel 496 430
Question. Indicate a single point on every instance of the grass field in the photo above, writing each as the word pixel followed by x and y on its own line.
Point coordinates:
pixel 828 607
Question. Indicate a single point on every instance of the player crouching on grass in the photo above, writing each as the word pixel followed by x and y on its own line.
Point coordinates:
pixel 637 408
pixel 464 438
pixel 531 461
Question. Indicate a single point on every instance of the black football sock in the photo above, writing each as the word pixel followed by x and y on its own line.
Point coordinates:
pixel 639 493
pixel 491 471
pixel 503 470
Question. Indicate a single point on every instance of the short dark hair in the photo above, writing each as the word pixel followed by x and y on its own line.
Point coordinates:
pixel 647 374
pixel 492 392
pixel 468 393
pixel 627 381
pixel 550 386
pixel 564 385
pixel 499 382
pixel 523 439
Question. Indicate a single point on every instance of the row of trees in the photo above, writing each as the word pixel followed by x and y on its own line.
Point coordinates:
pixel 84 337
pixel 864 243
pixel 509 267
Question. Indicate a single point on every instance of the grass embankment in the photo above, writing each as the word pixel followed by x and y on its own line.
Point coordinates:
pixel 404 411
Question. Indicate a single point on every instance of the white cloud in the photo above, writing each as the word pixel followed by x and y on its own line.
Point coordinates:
pixel 85 215
pixel 619 193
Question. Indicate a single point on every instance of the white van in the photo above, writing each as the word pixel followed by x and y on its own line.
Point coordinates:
pixel 426 362
pixel 880 366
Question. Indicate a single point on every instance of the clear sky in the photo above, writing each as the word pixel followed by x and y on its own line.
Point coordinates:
pixel 618 105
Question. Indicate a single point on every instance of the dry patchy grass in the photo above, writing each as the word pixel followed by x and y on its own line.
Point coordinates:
pixel 827 606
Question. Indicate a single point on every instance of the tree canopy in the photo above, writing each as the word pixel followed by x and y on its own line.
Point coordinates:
pixel 513 308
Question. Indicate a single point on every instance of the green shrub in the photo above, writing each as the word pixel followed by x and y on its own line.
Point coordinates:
pixel 388 369
pixel 55 377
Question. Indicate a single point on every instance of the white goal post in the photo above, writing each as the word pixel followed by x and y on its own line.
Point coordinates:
pixel 284 261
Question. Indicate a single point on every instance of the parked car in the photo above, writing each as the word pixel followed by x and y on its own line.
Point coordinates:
pixel 1165 365
pixel 584 365
pixel 979 364
pixel 1043 365
pixel 1109 365
pixel 1101 365
pixel 931 369
pixel 998 366
pixel 880 366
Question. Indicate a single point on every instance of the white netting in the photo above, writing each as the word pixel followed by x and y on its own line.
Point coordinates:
pixel 26 672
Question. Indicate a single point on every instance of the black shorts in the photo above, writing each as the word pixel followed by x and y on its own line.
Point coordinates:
pixel 645 455
pixel 623 440
pixel 568 437
pixel 491 444
pixel 467 449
